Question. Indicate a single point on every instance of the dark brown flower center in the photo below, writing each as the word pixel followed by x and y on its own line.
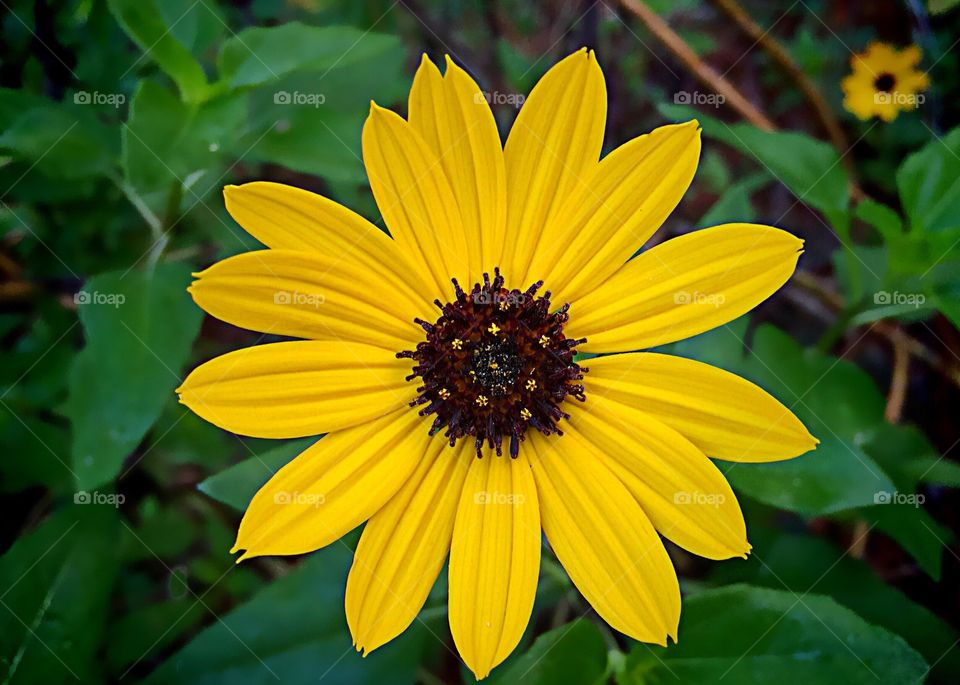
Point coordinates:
pixel 494 364
pixel 884 82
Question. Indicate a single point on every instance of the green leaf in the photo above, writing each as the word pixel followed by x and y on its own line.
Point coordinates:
pixel 311 121
pixel 148 630
pixel 574 654
pixel 881 217
pixel 936 471
pixel 903 451
pixel 809 168
pixel 835 477
pixel 743 634
pixel 167 142
pixel 929 185
pixel 139 329
pixel 803 563
pixel 911 526
pixel 237 485
pixel 294 631
pixel 57 581
pixel 263 54
pixel 63 142
pixel 144 23
pixel 734 203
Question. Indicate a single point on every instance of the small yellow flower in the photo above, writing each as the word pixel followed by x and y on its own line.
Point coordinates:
pixel 531 384
pixel 525 414
pixel 457 344
pixel 482 400
pixel 884 81
pixel 444 394
pixel 544 341
pixel 494 329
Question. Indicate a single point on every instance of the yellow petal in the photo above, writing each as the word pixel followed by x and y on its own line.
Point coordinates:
pixel 415 199
pixel 722 414
pixel 604 540
pixel 494 561
pixel 287 218
pixel 403 547
pixel 333 486
pixel 616 210
pixel 293 389
pixel 452 115
pixel 685 286
pixel 553 146
pixel 686 497
pixel 311 295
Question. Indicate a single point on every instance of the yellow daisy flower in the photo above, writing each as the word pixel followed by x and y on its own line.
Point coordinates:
pixel 599 460
pixel 884 82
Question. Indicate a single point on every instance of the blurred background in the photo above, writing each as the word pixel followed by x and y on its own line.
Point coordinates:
pixel 121 122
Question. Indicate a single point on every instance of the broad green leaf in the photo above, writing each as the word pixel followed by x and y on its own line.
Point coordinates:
pixel 902 451
pixel 61 141
pixel 809 168
pixel 237 485
pixel 835 477
pixel 310 121
pixel 56 584
pixel 262 54
pixel 881 217
pixel 929 185
pixel 139 327
pixel 807 564
pixel 573 654
pixel 294 631
pixel 936 471
pixel 142 633
pixel 167 142
pixel 743 634
pixel 901 516
pixel 145 24
pixel 734 203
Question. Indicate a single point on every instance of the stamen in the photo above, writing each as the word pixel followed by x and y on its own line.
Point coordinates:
pixel 477 351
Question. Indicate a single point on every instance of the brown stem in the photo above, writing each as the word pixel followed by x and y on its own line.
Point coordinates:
pixel 897 394
pixel 704 73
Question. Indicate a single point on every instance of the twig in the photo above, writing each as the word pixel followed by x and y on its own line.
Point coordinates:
pixel 704 72
pixel 897 394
